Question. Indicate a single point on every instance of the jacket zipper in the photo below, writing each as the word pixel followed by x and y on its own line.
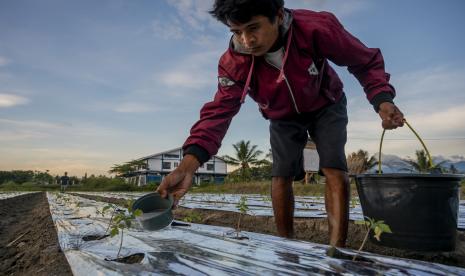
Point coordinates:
pixel 288 86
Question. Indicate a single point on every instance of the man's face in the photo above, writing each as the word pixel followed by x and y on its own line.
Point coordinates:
pixel 258 35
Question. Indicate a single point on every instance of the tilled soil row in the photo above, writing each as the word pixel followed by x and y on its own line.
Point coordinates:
pixel 28 239
pixel 307 229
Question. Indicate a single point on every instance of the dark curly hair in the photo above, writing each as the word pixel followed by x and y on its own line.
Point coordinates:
pixel 241 11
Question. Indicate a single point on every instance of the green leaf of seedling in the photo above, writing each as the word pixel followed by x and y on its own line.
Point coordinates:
pixel 385 228
pixel 114 231
pixel 129 204
pixel 138 212
pixel 360 222
pixel 378 232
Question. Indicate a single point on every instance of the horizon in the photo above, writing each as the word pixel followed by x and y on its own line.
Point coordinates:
pixel 86 85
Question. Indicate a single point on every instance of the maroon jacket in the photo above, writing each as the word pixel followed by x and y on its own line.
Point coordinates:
pixel 306 82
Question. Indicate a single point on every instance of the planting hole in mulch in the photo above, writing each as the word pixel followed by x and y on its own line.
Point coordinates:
pixel 236 236
pixel 182 224
pixel 240 238
pixel 94 237
pixel 131 259
pixel 333 252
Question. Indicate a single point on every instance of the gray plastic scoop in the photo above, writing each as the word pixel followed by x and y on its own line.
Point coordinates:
pixel 156 211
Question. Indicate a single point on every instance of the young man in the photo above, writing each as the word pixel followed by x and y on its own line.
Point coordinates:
pixel 64 180
pixel 279 57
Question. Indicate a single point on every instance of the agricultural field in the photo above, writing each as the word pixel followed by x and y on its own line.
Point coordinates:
pixel 64 234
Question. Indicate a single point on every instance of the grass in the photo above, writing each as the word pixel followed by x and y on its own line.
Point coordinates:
pixel 30 187
pixel 27 187
pixel 262 188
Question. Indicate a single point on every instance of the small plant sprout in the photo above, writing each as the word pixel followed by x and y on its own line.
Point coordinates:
pixel 353 202
pixel 104 210
pixel 192 217
pixel 243 208
pixel 123 220
pixel 266 199
pixel 378 227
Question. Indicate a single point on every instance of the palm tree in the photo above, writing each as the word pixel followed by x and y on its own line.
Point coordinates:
pixel 245 156
pixel 269 155
pixel 359 162
pixel 131 166
pixel 421 164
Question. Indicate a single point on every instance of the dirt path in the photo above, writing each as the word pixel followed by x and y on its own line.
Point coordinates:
pixel 28 240
pixel 309 229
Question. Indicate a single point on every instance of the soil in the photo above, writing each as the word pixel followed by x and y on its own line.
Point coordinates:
pixel 309 229
pixel 28 239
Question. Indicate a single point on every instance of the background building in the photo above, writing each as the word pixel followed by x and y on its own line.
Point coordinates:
pixel 311 162
pixel 161 164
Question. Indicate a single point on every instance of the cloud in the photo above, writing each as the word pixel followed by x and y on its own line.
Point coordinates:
pixel 341 8
pixel 4 61
pixel 443 131
pixel 441 123
pixel 77 147
pixel 76 160
pixel 438 88
pixel 32 124
pixel 205 40
pixel 34 130
pixel 190 20
pixel 134 108
pixel 168 30
pixel 194 72
pixel 9 100
pixel 429 90
pixel 193 12
pixel 433 124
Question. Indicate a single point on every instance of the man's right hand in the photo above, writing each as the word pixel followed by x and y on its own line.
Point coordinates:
pixel 178 182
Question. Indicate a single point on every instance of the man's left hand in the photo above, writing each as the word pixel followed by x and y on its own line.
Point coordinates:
pixel 391 115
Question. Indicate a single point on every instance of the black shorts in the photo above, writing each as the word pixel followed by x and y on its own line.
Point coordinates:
pixel 328 129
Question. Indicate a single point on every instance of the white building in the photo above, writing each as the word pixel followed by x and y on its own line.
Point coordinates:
pixel 311 160
pixel 160 164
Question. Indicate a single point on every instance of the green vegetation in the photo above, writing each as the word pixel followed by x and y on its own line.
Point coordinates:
pixel 121 170
pixel 251 167
pixel 243 208
pixel 122 220
pixel 102 212
pixel 421 163
pixel 192 216
pixel 92 183
pixel 359 162
pixel 32 177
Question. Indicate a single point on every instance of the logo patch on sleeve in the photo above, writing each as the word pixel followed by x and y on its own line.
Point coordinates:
pixel 312 70
pixel 225 82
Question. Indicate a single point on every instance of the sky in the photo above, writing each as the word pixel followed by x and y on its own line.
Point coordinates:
pixel 88 84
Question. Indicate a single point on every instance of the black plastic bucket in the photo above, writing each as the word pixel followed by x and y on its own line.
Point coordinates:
pixel 421 209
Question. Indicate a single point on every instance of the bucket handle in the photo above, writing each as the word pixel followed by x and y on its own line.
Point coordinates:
pixel 416 134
